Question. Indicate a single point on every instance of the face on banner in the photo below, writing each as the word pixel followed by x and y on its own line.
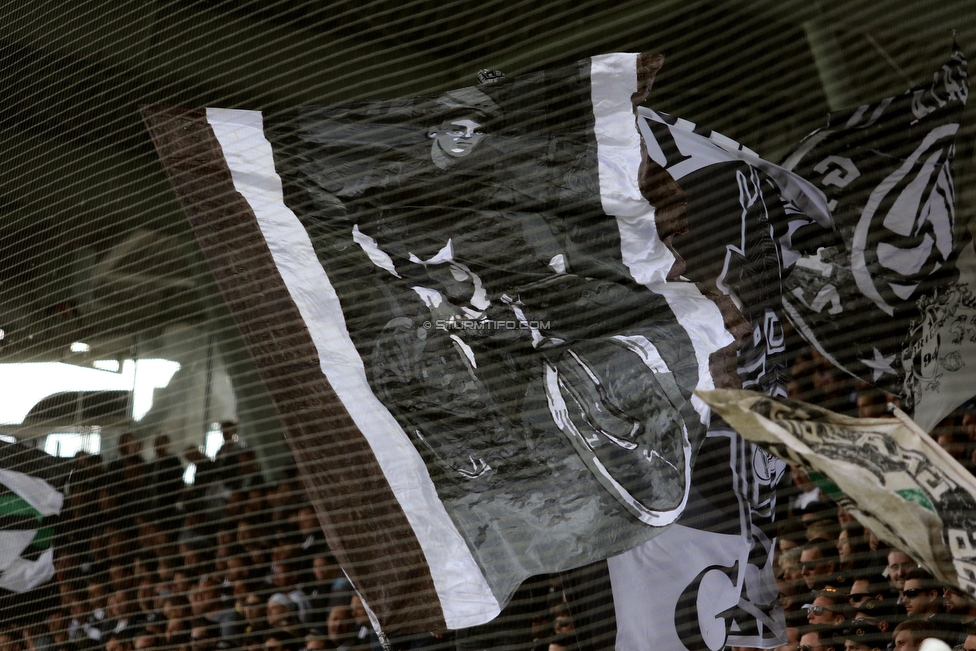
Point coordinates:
pixel 455 138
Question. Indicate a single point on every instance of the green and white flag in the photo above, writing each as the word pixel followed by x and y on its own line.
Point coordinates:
pixel 31 503
pixel 885 471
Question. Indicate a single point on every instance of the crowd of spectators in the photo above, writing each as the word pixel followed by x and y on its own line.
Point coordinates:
pixel 146 562
pixel 841 588
pixel 233 561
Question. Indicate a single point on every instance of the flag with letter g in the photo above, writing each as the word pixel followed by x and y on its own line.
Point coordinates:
pixel 465 311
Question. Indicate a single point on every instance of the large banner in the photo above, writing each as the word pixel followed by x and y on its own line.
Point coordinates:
pixel 890 297
pixel 467 313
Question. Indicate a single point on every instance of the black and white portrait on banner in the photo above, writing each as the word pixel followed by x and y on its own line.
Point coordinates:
pixel 484 283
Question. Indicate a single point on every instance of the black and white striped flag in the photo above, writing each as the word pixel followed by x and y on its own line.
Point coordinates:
pixel 468 316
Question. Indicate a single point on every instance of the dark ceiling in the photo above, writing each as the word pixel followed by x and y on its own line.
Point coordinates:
pixel 91 240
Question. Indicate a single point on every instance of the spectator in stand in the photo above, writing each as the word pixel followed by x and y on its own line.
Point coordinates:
pixel 281 611
pixel 342 628
pixel 959 605
pixel 862 636
pixel 8 641
pixel 883 614
pixel 922 598
pixel 97 602
pixel 568 643
pixel 792 588
pixel 366 636
pixel 843 516
pixel 226 458
pixel 195 551
pixel 899 565
pixel 119 574
pixel 970 643
pixel 238 566
pixel 52 636
pixel 119 642
pixel 285 577
pixel 249 470
pixel 955 442
pixel 255 613
pixel 146 599
pixel 129 459
pixel 909 635
pixel 145 642
pixel 823 530
pixel 206 602
pixel 872 402
pixel 877 546
pixel 815 641
pixel 204 636
pixel 308 524
pixel 325 573
pixel 817 563
pixel 789 577
pixel 316 641
pixel 177 615
pixel 144 562
pixel 825 611
pixel 562 621
pixel 122 614
pixel 866 587
pixel 921 595
pixel 281 640
pixel 820 510
pixel 792 640
pixel 207 491
pixel 287 497
pixel 790 534
pixel 852 547
pixel 166 472
pixel 78 615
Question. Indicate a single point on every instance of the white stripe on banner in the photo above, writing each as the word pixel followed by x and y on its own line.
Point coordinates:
pixel 613 79
pixel 463 592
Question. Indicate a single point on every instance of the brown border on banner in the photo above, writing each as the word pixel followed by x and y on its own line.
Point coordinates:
pixel 362 519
